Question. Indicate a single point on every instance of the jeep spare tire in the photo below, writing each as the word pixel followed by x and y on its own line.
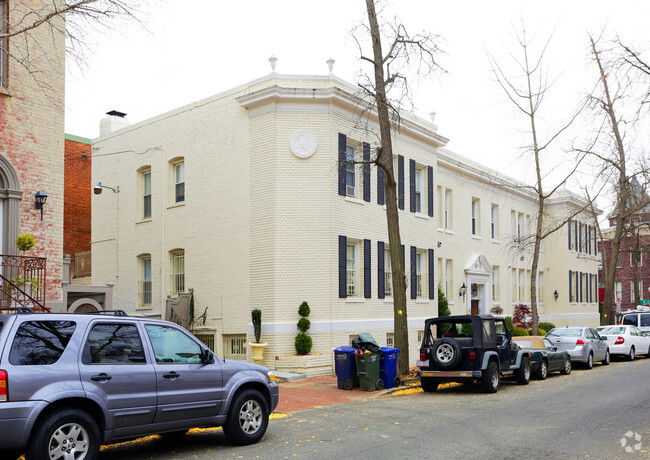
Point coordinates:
pixel 446 353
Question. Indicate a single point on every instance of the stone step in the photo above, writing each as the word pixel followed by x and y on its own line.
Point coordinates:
pixel 281 376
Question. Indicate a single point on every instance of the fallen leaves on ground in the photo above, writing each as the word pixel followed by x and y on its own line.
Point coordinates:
pixel 414 390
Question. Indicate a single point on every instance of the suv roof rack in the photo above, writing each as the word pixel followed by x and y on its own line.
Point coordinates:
pixel 109 312
pixel 17 309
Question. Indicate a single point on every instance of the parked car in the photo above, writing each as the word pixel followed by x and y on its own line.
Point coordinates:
pixel 638 318
pixel 625 340
pixel 583 344
pixel 71 382
pixel 545 356
pixel 469 348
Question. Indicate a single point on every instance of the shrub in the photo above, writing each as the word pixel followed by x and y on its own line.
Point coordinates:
pixel 303 341
pixel 509 324
pixel 25 242
pixel 523 317
pixel 303 344
pixel 256 316
pixel 443 304
pixel 546 326
pixel 540 331
pixel 303 324
pixel 519 331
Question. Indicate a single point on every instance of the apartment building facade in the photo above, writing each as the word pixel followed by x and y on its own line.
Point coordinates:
pixel 248 198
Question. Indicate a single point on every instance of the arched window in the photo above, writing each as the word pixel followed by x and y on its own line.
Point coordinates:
pixel 10 196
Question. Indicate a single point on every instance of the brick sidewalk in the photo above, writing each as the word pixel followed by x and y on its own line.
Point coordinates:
pixel 318 392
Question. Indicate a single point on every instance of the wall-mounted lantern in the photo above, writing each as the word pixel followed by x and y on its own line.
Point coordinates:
pixel 39 201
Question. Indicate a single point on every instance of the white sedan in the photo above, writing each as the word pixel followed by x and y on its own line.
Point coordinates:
pixel 624 340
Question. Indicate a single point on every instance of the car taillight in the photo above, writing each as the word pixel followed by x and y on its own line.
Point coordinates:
pixel 580 342
pixel 472 355
pixel 619 341
pixel 4 397
pixel 423 355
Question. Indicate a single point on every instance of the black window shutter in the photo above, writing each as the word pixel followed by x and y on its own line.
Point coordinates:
pixel 575 236
pixel 432 291
pixel 430 193
pixel 570 286
pixel 569 234
pixel 414 278
pixel 381 288
pixel 380 186
pixel 343 253
pixel 412 184
pixel 595 242
pixel 343 142
pixel 366 270
pixel 403 257
pixel 366 172
pixel 590 280
pixel 400 181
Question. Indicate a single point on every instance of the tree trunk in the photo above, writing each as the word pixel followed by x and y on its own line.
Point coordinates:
pixel 385 161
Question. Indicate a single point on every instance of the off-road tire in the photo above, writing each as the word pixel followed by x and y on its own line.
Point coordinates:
pixel 446 353
pixel 590 361
pixel 567 367
pixel 491 378
pixel 247 418
pixel 57 429
pixel 428 384
pixel 632 354
pixel 542 371
pixel 607 360
pixel 523 373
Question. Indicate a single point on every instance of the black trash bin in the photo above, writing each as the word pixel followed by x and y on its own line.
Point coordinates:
pixel 345 366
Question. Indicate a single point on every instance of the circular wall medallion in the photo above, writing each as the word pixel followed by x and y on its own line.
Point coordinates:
pixel 303 144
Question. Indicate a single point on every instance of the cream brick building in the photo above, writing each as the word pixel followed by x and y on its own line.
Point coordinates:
pixel 241 197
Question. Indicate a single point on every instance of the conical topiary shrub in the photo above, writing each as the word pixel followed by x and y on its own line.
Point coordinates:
pixel 303 341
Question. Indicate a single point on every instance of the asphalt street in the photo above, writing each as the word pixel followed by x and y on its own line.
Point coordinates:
pixel 584 415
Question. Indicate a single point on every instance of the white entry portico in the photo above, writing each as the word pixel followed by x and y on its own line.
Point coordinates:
pixel 477 279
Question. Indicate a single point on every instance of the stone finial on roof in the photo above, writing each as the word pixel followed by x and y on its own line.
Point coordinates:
pixel 273 60
pixel 330 65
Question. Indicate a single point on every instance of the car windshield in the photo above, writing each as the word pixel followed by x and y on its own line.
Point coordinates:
pixel 611 330
pixel 566 332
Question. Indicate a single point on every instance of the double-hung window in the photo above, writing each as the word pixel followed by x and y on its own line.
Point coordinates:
pixel 447 216
pixel 494 229
pixel 419 274
pixel 178 272
pixel 352 267
pixel 351 173
pixel 388 274
pixel 495 283
pixel 4 26
pixel 419 175
pixel 475 216
pixel 145 281
pixel 179 182
pixel 146 194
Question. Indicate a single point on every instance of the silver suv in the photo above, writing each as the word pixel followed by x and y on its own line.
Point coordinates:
pixel 71 382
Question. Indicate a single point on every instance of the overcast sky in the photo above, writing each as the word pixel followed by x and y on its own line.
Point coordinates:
pixel 194 49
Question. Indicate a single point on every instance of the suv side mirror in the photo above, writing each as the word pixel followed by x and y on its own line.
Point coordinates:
pixel 207 357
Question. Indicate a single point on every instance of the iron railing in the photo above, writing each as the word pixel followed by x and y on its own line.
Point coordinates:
pixel 22 282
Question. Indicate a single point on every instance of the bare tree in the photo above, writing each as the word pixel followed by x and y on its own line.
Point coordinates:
pixel 26 23
pixel 404 51
pixel 527 92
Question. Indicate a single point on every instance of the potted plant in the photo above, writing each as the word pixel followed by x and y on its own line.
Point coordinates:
pixel 257 347
pixel 303 341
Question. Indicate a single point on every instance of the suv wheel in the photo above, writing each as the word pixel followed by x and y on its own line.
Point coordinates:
pixel 65 433
pixel 542 372
pixel 523 373
pixel 491 379
pixel 247 419
pixel 428 384
pixel 446 353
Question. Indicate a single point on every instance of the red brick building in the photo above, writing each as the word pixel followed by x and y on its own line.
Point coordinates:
pixel 77 207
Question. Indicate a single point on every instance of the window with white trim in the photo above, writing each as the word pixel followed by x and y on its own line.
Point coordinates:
pixel 177 271
pixel 388 274
pixel 351 173
pixel 146 193
pixel 520 225
pixel 447 215
pixel 144 285
pixel 420 336
pixel 419 180
pixel 234 346
pixel 4 26
pixel 495 283
pixel 494 223
pixel 639 258
pixel 179 182
pixel 618 291
pixel 475 216
pixel 419 275
pixel 521 285
pixel 390 339
pixel 352 270
pixel 632 298
pixel 541 289
pixel 449 279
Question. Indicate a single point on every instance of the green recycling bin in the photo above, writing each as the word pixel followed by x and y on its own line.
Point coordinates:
pixel 368 371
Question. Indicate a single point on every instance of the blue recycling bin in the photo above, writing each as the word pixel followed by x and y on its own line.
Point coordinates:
pixel 388 366
pixel 345 366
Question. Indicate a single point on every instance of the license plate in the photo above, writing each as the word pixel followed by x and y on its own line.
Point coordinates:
pixel 424 363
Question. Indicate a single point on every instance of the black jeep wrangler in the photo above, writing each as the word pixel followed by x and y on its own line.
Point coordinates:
pixel 469 348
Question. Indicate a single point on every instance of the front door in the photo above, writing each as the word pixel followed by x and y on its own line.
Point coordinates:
pixel 187 388
pixel 475 303
pixel 114 371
